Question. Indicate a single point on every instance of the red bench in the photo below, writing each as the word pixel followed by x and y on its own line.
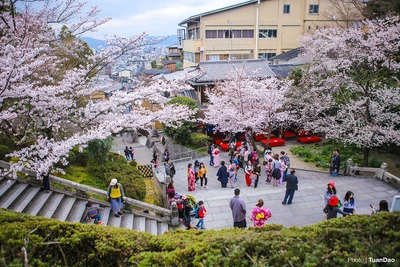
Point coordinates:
pixel 225 145
pixel 309 139
pixel 288 134
pixel 274 142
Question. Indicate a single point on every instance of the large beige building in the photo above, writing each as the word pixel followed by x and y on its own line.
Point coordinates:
pixel 258 28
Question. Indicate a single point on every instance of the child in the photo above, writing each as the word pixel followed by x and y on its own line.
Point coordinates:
pixel 93 213
pixel 202 213
pixel 260 214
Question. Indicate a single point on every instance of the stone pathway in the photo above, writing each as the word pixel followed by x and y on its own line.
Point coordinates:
pixel 307 204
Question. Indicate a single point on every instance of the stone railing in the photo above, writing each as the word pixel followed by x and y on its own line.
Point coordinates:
pixel 159 213
pixel 380 173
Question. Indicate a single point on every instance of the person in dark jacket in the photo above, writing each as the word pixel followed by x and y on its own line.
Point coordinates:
pixel 335 166
pixel 331 209
pixel 223 174
pixel 291 187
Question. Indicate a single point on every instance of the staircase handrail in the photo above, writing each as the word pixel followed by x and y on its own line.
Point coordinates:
pixel 81 190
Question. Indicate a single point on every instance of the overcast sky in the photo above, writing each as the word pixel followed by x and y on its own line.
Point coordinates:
pixel 156 17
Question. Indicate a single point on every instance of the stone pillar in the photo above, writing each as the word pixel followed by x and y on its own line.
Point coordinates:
pixel 349 163
pixel 384 168
pixel 174 214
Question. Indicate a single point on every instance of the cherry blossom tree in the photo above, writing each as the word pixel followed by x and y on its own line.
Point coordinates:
pixel 247 104
pixel 350 90
pixel 45 100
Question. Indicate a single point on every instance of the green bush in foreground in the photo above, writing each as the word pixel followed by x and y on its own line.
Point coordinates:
pixel 329 243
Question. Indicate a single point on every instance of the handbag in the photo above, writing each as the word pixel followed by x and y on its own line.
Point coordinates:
pixel 340 204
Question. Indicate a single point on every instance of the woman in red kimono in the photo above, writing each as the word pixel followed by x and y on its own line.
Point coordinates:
pixel 191 178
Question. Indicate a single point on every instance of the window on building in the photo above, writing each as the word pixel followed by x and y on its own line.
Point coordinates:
pixel 189 56
pixel 268 33
pixel 211 34
pixel 236 34
pixel 266 55
pixel 314 9
pixel 192 34
pixel 227 34
pixel 213 57
pixel 247 34
pixel 286 9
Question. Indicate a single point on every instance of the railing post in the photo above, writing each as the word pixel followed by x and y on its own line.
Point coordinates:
pixel 349 164
pixel 174 214
pixel 384 168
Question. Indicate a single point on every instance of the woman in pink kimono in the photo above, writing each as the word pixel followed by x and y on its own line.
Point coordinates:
pixel 215 154
pixel 283 168
pixel 260 214
pixel 191 178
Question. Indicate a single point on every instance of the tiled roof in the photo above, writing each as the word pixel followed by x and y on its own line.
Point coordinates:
pixel 211 71
pixel 287 55
pixel 282 71
pixel 216 11
pixel 174 55
pixel 157 71
pixel 166 62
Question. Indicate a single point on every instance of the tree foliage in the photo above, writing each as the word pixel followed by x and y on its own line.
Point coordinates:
pixel 243 103
pixel 98 149
pixel 350 89
pixel 181 132
pixel 330 243
pixel 381 8
pixel 46 83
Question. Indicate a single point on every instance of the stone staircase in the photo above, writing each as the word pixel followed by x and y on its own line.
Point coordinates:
pixel 28 198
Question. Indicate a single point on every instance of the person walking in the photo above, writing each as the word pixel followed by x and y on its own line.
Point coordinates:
pixel 260 214
pixel 215 154
pixel 276 170
pixel 257 172
pixel 268 170
pixel 196 171
pixel 166 155
pixel 116 196
pixel 286 160
pixel 291 187
pixel 132 155
pixel 335 166
pixel 167 167
pixel 172 169
pixel 331 209
pixel 46 182
pixel 222 175
pixel 330 191
pixel 191 178
pixel 238 208
pixel 203 175
pixel 210 150
pixel 232 173
pixel 127 154
pixel 202 212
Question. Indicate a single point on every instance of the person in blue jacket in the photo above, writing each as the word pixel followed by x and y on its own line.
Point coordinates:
pixel 222 174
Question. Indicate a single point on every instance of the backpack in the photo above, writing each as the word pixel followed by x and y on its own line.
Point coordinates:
pixel 92 211
pixel 196 212
pixel 286 160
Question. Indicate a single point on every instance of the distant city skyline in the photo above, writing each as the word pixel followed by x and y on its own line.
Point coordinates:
pixel 156 17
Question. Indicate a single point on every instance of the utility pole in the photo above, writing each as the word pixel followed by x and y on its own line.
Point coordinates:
pixel 257 31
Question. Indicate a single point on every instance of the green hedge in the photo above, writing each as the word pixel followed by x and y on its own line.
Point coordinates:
pixel 199 139
pixel 329 243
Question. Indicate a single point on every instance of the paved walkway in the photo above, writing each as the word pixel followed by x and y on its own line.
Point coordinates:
pixel 307 204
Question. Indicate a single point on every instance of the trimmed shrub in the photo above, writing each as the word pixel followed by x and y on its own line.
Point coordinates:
pixel 4 150
pixel 78 158
pixel 199 139
pixel 133 163
pixel 329 243
pixel 128 176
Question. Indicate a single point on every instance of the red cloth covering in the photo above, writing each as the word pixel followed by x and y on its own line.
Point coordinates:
pixel 288 134
pixel 217 140
pixel 309 139
pixel 274 142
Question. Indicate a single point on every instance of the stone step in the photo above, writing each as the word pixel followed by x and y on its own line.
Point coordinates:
pixel 151 226
pixel 105 215
pixel 37 203
pixel 6 185
pixel 51 205
pixel 64 209
pixel 162 228
pixel 127 221
pixel 139 224
pixel 78 211
pixel 25 199
pixel 12 195
pixel 114 221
